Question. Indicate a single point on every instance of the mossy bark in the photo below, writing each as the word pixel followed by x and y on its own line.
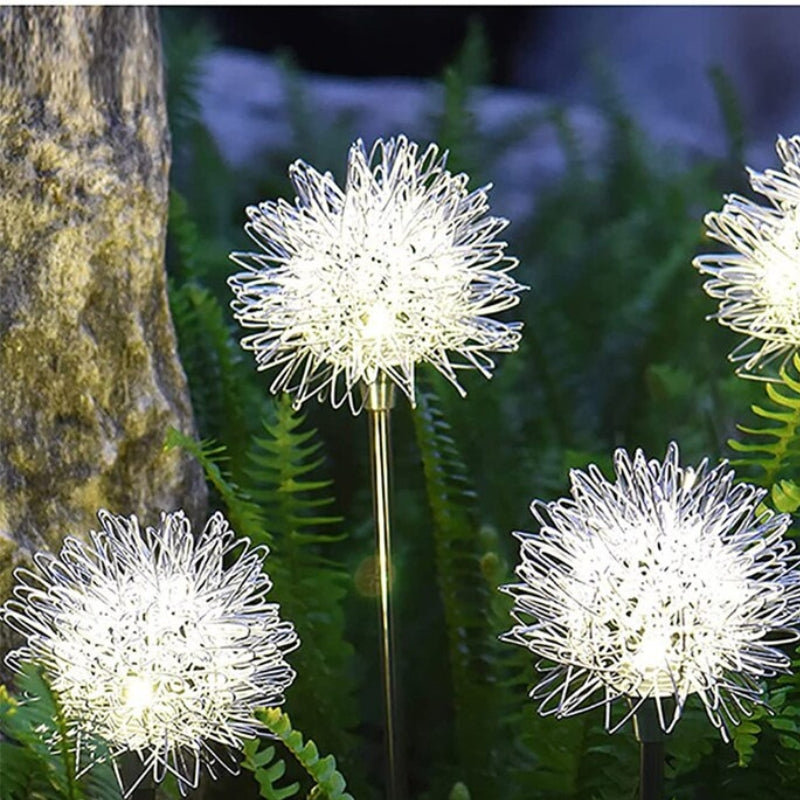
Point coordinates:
pixel 89 375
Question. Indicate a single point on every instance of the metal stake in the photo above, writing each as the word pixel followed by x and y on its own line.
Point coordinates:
pixel 379 400
pixel 651 752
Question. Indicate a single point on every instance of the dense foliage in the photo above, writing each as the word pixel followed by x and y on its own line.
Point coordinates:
pixel 616 351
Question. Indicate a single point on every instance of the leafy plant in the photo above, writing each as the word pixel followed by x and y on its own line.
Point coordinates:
pixel 328 782
pixel 279 505
pixel 37 748
pixel 465 596
pixel 242 512
pixel 616 351
pixel 773 448
pixel 309 583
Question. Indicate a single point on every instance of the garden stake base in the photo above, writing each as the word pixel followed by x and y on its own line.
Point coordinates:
pixel 379 400
pixel 651 752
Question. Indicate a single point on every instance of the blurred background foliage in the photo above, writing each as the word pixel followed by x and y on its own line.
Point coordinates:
pixel 616 352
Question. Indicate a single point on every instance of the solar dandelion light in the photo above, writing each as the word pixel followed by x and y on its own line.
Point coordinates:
pixel 354 287
pixel 668 582
pixel 153 644
pixel 758 285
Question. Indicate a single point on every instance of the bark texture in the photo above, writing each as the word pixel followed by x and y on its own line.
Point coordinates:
pixel 89 375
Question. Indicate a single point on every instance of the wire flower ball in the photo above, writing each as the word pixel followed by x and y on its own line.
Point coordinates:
pixel 401 266
pixel 758 286
pixel 665 583
pixel 152 644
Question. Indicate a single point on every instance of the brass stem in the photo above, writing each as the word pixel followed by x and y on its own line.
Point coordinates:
pixel 651 771
pixel 379 399
pixel 651 751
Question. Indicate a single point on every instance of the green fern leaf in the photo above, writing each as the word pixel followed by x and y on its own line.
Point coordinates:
pixel 786 496
pixel 244 515
pixel 745 739
pixel 224 400
pixel 37 738
pixel 18 773
pixel 328 782
pixel 267 771
pixel 184 48
pixel 282 476
pixel 466 597
pixel 775 448
pixel 458 125
pixel 278 503
pixel 732 113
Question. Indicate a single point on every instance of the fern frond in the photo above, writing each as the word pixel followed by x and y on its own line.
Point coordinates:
pixel 305 119
pixel 329 783
pixel 776 447
pixel 282 477
pixel 267 771
pixel 785 496
pixel 184 241
pixel 458 125
pixel 184 48
pixel 279 466
pixel 278 502
pixel 36 737
pixel 18 774
pixel 225 399
pixel 466 597
pixel 198 169
pixel 781 715
pixel 244 515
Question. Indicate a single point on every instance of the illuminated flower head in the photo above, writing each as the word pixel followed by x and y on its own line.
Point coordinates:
pixel 153 644
pixel 401 266
pixel 758 286
pixel 665 583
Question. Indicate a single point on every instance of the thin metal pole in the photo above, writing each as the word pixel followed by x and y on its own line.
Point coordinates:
pixel 379 399
pixel 651 770
pixel 651 751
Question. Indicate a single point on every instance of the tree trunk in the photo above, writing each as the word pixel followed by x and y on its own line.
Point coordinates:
pixel 89 375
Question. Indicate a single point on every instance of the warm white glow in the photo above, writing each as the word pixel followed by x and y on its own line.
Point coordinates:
pixel 400 267
pixel 758 286
pixel 153 644
pixel 378 324
pixel 662 584
pixel 137 695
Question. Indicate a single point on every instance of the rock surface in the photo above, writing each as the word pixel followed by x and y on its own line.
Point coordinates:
pixel 90 376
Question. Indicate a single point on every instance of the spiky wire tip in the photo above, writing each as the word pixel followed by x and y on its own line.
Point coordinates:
pixel 153 644
pixel 401 266
pixel 758 285
pixel 667 582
